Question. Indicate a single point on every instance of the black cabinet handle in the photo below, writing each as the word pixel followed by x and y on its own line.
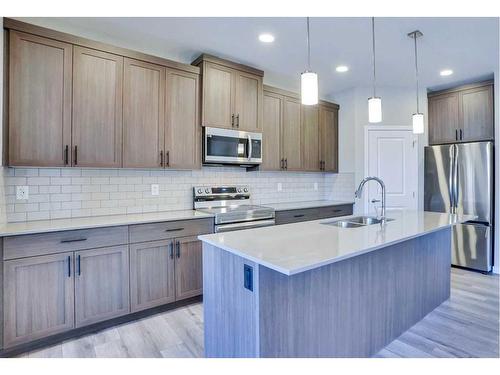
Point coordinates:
pixel 299 215
pixel 171 252
pixel 178 245
pixel 282 163
pixel 69 266
pixel 232 120
pixel 286 163
pixel 79 265
pixel 76 155
pixel 461 135
pixel 73 240
pixel 66 155
pixel 456 134
pixel 174 230
pixel 161 158
pixel 168 158
pixel 238 120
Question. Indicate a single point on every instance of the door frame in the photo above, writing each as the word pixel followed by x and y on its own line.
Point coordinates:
pixel 389 128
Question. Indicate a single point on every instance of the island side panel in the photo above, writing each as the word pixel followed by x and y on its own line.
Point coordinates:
pixel 355 307
pixel 230 310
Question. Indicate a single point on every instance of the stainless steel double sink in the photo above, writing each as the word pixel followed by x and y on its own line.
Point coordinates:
pixel 355 222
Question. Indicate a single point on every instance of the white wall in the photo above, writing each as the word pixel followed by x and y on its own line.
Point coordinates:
pixel 398 105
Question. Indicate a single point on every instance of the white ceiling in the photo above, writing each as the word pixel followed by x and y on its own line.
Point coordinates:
pixel 469 46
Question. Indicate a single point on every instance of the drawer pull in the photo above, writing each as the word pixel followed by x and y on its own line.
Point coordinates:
pixel 337 210
pixel 174 230
pixel 299 215
pixel 74 240
pixel 79 265
pixel 69 266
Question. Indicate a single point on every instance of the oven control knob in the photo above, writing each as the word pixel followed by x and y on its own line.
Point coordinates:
pixel 245 190
pixel 200 191
pixel 239 190
pixel 207 190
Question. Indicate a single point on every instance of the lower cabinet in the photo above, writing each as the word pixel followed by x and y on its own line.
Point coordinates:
pixel 38 297
pixel 101 284
pixel 152 279
pixel 165 271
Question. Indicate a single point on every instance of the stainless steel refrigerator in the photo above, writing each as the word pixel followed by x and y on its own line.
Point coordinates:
pixel 459 179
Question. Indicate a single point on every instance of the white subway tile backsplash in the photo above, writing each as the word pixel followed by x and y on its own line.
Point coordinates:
pixel 75 192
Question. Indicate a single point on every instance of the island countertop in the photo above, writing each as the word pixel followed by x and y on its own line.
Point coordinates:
pixel 299 247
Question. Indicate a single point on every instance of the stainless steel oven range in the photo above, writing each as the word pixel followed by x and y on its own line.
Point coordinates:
pixel 229 205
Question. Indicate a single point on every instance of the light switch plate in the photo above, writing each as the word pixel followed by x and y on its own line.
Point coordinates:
pixel 280 186
pixel 22 192
pixel 155 189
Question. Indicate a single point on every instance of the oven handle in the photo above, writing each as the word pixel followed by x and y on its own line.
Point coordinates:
pixel 249 147
pixel 244 225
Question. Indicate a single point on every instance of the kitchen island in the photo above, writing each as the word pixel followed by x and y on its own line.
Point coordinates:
pixel 313 289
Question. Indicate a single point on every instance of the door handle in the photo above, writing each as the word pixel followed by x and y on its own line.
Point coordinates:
pixel 168 158
pixel 79 265
pixel 455 179
pixel 238 120
pixel 300 215
pixel 66 155
pixel 171 252
pixel 249 147
pixel 174 230
pixel 232 120
pixel 375 200
pixel 69 266
pixel 286 163
pixel 461 135
pixel 178 246
pixel 161 158
pixel 74 240
pixel 76 155
pixel 456 134
pixel 282 163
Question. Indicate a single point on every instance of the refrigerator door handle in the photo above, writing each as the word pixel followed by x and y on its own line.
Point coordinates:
pixel 451 179
pixel 455 178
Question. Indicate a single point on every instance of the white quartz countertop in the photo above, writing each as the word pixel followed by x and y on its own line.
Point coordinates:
pixel 56 225
pixel 299 247
pixel 305 204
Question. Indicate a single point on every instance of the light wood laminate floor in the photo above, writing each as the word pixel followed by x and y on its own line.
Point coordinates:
pixel 467 325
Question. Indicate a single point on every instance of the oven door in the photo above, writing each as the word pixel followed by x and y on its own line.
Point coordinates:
pixel 226 146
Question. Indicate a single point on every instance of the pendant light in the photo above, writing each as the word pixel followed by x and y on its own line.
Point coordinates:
pixel 309 79
pixel 417 118
pixel 374 103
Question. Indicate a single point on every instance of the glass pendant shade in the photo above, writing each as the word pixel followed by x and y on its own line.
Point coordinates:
pixel 418 123
pixel 309 88
pixel 374 110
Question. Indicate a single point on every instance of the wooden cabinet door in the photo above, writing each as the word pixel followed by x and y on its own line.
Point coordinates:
pixel 38 297
pixel 101 284
pixel 271 132
pixel 248 101
pixel 40 79
pixel 152 280
pixel 188 267
pixel 329 138
pixel 443 118
pixel 310 138
pixel 476 114
pixel 143 114
pixel 291 134
pixel 218 98
pixel 183 133
pixel 97 108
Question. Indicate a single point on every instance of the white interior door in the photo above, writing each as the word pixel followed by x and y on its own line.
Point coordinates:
pixel 392 155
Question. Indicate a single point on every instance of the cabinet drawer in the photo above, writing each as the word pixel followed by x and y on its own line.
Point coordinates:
pixel 295 216
pixel 334 211
pixel 170 229
pixel 58 242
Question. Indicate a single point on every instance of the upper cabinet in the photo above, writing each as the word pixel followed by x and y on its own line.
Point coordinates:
pixel 97 108
pixel 462 114
pixel 329 137
pixel 81 103
pixel 232 94
pixel 40 76
pixel 298 137
pixel 143 114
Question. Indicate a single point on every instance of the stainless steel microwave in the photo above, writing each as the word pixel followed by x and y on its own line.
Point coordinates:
pixel 227 146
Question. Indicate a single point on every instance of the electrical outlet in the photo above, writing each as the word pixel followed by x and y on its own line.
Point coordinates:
pixel 22 192
pixel 155 189
pixel 315 186
pixel 280 186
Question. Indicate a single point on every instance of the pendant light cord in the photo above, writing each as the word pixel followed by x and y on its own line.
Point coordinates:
pixel 308 48
pixel 373 50
pixel 416 68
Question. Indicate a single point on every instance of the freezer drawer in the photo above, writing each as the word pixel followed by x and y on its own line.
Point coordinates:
pixel 471 246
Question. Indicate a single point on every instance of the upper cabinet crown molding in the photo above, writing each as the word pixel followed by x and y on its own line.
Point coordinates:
pixel 12 24
pixel 205 57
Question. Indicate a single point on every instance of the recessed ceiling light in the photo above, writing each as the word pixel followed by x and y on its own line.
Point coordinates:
pixel 446 72
pixel 342 68
pixel 266 38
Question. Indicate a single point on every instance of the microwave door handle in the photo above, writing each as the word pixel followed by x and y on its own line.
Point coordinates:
pixel 249 147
